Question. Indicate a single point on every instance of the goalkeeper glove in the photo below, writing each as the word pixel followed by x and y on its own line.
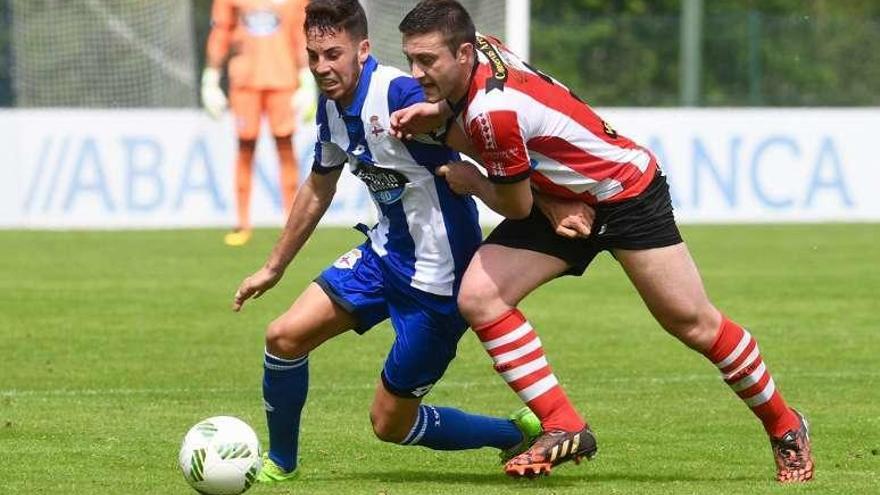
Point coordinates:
pixel 305 98
pixel 213 98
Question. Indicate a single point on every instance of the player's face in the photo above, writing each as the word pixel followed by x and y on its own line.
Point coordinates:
pixel 336 61
pixel 442 73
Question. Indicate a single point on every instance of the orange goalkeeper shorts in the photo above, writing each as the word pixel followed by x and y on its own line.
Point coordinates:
pixel 249 105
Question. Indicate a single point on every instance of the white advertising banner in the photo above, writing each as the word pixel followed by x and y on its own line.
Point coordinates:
pixel 174 168
pixel 763 165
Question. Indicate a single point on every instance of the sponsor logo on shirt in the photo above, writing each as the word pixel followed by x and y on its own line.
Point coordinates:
pixel 387 186
pixel 496 61
pixel 261 22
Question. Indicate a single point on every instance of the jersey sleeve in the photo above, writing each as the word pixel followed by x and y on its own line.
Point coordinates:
pixel 498 138
pixel 404 91
pixel 328 155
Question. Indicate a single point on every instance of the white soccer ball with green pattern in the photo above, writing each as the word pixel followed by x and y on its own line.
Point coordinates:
pixel 220 456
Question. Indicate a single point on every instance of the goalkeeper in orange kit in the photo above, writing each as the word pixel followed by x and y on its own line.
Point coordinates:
pixel 264 45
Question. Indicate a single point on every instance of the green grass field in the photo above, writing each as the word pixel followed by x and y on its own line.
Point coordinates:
pixel 112 344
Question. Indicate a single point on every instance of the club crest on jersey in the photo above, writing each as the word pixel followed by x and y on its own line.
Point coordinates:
pixel 348 260
pixel 496 61
pixel 261 22
pixel 375 126
pixel 387 186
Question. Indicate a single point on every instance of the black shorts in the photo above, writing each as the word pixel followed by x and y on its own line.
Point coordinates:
pixel 643 222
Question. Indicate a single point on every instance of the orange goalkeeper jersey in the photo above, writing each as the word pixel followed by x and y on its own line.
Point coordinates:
pixel 264 41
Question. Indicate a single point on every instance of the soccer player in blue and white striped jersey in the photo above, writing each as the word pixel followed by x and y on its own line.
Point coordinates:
pixel 409 269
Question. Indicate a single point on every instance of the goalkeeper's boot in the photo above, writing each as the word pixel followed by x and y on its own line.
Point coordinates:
pixel 529 425
pixel 551 449
pixel 273 473
pixel 794 459
pixel 238 237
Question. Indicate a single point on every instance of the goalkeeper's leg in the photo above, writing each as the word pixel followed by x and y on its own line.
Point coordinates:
pixel 244 171
pixel 247 110
pixel 283 125
pixel 289 171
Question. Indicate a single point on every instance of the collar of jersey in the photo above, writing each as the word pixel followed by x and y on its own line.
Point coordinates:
pixel 354 110
pixel 458 106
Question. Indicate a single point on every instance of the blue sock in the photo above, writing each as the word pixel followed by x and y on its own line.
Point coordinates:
pixel 285 385
pixel 444 428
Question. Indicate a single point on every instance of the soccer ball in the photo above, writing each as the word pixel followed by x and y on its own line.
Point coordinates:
pixel 220 456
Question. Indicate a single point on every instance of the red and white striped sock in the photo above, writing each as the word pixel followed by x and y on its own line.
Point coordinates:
pixel 735 352
pixel 519 359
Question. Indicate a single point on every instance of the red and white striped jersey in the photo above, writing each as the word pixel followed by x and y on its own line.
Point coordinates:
pixel 525 124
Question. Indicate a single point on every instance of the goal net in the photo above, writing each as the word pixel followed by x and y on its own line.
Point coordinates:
pixel 506 19
pixel 103 53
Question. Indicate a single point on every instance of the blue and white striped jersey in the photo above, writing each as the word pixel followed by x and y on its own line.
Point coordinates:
pixel 426 234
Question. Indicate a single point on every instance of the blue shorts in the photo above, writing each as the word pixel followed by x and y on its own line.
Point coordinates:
pixel 428 327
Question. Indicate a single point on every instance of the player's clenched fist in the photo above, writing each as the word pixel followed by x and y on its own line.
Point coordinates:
pixel 463 177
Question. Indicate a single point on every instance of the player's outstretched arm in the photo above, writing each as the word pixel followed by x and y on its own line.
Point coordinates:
pixel 312 201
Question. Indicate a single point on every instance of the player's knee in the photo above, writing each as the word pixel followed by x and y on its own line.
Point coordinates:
pixel 281 342
pixel 284 142
pixel 696 328
pixel 247 145
pixel 387 429
pixel 478 302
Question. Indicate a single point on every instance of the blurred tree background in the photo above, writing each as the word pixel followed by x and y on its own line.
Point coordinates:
pixel 754 52
pixel 628 52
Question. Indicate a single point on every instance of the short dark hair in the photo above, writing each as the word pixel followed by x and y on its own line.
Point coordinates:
pixel 331 16
pixel 446 16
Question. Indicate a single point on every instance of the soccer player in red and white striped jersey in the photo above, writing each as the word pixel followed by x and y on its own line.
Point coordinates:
pixel 570 187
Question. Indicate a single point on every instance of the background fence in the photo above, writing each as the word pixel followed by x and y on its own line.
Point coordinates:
pixel 612 53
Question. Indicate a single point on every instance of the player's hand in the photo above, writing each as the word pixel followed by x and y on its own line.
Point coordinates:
pixel 255 286
pixel 305 99
pixel 213 99
pixel 420 118
pixel 463 177
pixel 570 218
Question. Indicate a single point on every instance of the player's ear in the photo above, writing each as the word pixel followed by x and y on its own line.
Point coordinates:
pixel 363 51
pixel 465 53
